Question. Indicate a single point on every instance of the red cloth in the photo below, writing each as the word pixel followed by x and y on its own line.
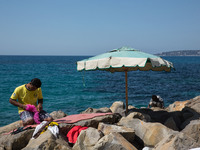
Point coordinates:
pixel 73 134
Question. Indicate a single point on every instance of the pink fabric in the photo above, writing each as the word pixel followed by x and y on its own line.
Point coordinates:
pixel 33 109
pixel 73 134
pixel 79 117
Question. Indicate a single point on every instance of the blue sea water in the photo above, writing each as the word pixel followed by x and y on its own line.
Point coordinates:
pixel 66 89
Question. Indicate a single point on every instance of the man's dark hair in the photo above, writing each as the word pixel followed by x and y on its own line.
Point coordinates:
pixel 154 97
pixel 36 82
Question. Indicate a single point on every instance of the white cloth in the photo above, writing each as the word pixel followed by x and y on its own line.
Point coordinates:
pixel 54 130
pixel 39 128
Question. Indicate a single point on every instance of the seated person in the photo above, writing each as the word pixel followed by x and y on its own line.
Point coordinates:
pixel 156 101
pixel 29 93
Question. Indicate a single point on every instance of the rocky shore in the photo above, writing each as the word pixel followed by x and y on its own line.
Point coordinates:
pixel 176 127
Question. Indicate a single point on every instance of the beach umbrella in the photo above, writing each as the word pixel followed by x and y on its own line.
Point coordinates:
pixel 125 59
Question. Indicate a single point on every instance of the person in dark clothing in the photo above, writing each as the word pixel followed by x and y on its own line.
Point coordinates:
pixel 156 101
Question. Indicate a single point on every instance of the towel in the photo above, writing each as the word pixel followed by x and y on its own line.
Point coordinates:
pixel 73 134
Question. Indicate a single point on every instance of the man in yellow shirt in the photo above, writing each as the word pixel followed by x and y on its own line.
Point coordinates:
pixel 30 93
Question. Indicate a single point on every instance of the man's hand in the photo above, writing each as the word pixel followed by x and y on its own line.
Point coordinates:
pixel 39 107
pixel 23 106
pixel 15 103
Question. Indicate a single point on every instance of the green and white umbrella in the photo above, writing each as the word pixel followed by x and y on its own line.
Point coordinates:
pixel 123 60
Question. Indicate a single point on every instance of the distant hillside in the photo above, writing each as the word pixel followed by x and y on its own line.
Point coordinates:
pixel 181 53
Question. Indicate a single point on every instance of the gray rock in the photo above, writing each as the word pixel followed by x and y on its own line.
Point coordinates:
pixel 113 141
pixel 9 127
pixel 118 107
pixel 178 141
pixel 127 133
pixel 58 114
pixel 193 130
pixel 176 106
pixel 150 133
pixel 47 141
pixel 194 104
pixel 87 139
pixel 16 141
pixel 93 110
pixel 143 117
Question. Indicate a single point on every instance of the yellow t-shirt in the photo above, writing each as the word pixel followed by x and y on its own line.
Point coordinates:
pixel 25 96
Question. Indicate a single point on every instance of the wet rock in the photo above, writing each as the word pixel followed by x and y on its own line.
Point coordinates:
pixel 127 133
pixel 113 141
pixel 87 139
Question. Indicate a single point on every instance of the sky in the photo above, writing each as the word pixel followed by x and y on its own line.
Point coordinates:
pixel 92 27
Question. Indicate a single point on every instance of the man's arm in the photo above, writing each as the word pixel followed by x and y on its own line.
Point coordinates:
pixel 15 103
pixel 39 106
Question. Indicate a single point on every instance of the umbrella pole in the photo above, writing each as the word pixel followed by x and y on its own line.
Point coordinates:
pixel 126 78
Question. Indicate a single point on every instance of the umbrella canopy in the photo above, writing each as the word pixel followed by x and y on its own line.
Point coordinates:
pixel 123 60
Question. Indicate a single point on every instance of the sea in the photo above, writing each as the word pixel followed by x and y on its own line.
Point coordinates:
pixel 66 89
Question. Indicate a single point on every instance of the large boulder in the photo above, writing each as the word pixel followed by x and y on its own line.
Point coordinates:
pixel 194 104
pixel 150 133
pixel 141 116
pixel 10 127
pixel 118 107
pixel 178 141
pixel 58 114
pixel 16 141
pixel 193 130
pixel 189 115
pixel 48 141
pixel 87 139
pixel 177 106
pixel 160 116
pixel 94 110
pixel 113 141
pixel 127 133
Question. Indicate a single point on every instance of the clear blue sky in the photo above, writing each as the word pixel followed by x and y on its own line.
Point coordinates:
pixel 91 27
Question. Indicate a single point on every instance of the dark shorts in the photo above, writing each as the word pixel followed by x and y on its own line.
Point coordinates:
pixel 27 115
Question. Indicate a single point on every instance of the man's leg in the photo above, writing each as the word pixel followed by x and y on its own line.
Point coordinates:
pixel 27 118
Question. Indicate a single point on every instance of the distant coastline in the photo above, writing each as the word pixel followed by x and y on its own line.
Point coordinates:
pixel 180 53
